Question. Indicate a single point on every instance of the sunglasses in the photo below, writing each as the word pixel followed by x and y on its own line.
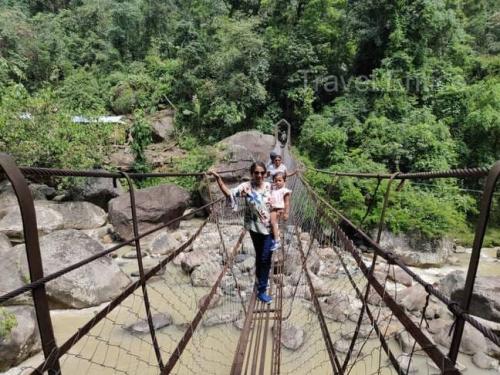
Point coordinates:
pixel 259 173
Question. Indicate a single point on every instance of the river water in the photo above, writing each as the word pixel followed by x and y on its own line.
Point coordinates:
pixel 111 348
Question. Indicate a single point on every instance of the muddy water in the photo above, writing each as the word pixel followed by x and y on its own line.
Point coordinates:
pixel 111 349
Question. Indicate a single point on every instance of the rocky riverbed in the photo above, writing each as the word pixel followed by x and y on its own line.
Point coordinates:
pixel 73 230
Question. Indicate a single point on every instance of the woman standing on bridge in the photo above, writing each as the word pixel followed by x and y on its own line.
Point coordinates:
pixel 257 196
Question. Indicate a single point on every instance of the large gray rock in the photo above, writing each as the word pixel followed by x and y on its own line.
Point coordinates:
pixel 416 250
pixel 336 307
pixel 194 259
pixel 238 151
pixel 162 125
pixel 159 321
pixel 97 190
pixel 163 243
pixel 10 278
pixel 48 220
pixel 485 301
pixel 472 342
pixel 90 285
pixel 52 216
pixel 81 215
pixel 38 192
pixel 42 191
pixel 214 302
pixel 206 274
pixel 155 205
pixel 292 337
pixel 218 317
pixel 414 300
pixel 122 158
pixel 22 339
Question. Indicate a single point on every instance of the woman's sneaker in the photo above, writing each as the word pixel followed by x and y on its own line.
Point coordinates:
pixel 265 298
pixel 275 245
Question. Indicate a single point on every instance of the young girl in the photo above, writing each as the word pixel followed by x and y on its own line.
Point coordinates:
pixel 280 206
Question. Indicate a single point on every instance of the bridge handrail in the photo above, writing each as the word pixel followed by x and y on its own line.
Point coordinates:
pixel 453 173
pixel 392 258
pixel 35 171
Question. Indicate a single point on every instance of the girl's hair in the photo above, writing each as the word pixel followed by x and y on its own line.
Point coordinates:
pixel 279 174
pixel 256 164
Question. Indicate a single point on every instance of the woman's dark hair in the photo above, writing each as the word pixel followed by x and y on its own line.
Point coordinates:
pixel 256 164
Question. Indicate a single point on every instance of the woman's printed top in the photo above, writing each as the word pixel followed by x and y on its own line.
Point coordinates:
pixel 257 205
pixel 278 197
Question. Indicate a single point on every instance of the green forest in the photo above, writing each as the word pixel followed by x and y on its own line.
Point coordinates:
pixel 368 85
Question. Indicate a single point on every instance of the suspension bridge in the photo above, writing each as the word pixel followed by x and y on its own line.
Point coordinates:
pixel 352 324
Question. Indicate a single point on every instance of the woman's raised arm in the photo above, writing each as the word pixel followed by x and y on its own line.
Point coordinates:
pixel 222 186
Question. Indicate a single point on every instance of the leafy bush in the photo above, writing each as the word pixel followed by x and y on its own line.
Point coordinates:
pixel 36 132
pixel 7 322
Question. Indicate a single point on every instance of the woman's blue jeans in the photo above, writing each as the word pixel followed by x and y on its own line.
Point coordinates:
pixel 262 245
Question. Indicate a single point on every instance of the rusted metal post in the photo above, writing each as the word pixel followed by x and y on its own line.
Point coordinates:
pixel 482 223
pixel 30 231
pixel 141 270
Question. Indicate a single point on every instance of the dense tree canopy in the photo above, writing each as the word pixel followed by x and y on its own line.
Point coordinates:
pixel 367 84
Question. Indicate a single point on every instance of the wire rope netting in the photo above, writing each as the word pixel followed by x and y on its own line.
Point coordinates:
pixel 336 309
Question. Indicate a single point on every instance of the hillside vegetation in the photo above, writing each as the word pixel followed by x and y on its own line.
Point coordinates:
pixel 368 85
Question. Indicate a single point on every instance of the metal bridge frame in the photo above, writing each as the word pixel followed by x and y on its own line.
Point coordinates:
pixel 53 352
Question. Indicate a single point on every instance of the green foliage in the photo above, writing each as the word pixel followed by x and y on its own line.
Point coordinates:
pixel 37 133
pixel 7 322
pixel 367 85
pixel 141 138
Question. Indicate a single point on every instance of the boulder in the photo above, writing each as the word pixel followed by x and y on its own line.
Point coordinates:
pixel 417 250
pixel 81 215
pixel 4 243
pixel 485 301
pixel 238 151
pixel 38 192
pixel 246 145
pixel 155 205
pixel 472 342
pixel 320 287
pixel 398 275
pixel 90 285
pixel 364 332
pixel 342 346
pixel 48 220
pixel 194 259
pixel 21 340
pixel 336 307
pixel 10 278
pixel 214 302
pixel 159 321
pixel 42 191
pixel 52 216
pixel 122 158
pixel 162 125
pixel 329 268
pixel 483 361
pixel 163 243
pixel 292 337
pixel 206 274
pixel 414 299
pixel 97 190
pixel 216 318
